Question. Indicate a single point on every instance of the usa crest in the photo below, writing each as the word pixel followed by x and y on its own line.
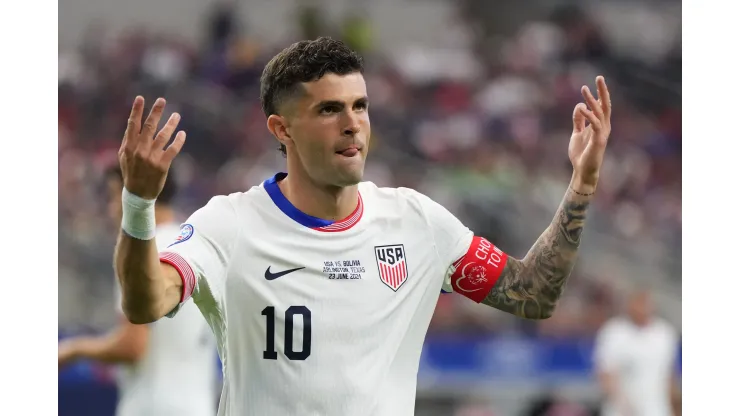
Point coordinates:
pixel 392 265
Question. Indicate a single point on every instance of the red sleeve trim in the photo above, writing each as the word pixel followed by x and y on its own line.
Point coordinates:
pixel 183 269
pixel 478 270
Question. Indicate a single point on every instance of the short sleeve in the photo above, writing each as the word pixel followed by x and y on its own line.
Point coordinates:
pixel 202 251
pixel 451 237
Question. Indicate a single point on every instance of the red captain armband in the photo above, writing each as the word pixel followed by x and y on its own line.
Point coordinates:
pixel 183 269
pixel 478 270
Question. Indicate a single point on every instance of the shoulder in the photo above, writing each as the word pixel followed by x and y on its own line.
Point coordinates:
pixel 400 200
pixel 168 230
pixel 417 212
pixel 614 327
pixel 255 197
pixel 231 204
pixel 665 329
pixel 218 220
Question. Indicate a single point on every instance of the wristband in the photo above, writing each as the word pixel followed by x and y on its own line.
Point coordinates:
pixel 138 216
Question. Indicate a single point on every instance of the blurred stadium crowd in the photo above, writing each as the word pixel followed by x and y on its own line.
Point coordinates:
pixel 489 141
pixel 481 125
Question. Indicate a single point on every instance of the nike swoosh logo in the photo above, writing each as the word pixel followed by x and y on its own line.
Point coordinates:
pixel 272 276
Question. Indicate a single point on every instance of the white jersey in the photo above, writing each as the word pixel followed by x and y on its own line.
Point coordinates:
pixel 314 317
pixel 643 359
pixel 177 375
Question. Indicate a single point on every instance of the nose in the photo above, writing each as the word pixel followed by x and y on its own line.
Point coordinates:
pixel 352 131
pixel 351 125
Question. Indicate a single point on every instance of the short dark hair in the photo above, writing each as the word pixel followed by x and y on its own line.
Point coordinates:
pixel 165 197
pixel 304 61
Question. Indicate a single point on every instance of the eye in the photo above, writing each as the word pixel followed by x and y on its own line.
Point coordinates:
pixel 330 109
pixel 361 106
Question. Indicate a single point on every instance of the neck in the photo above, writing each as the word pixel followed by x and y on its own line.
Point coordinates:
pixel 163 214
pixel 641 322
pixel 325 202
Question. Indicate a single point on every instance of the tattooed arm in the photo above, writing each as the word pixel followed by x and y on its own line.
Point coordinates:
pixel 531 287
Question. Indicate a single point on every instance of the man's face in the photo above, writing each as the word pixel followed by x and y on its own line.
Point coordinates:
pixel 640 308
pixel 330 129
pixel 114 188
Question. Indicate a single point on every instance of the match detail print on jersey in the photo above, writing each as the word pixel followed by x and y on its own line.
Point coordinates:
pixel 392 265
pixel 478 270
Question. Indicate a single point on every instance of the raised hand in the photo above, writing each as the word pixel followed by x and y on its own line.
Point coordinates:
pixel 588 143
pixel 144 159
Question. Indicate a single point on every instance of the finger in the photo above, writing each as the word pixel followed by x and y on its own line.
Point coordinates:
pixel 579 120
pixel 134 122
pixel 606 102
pixel 174 148
pixel 592 103
pixel 163 137
pixel 592 119
pixel 151 123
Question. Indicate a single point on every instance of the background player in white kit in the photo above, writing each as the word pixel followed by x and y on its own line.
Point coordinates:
pixel 635 358
pixel 318 286
pixel 168 367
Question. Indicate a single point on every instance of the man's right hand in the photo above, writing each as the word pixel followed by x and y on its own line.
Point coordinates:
pixel 144 159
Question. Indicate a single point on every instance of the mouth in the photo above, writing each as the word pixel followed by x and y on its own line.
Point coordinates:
pixel 349 151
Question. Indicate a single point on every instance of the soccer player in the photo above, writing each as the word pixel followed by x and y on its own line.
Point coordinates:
pixel 168 367
pixel 318 286
pixel 635 359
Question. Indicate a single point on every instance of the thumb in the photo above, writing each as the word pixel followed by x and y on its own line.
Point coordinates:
pixel 579 119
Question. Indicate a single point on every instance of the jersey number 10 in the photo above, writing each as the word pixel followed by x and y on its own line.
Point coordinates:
pixel 270 353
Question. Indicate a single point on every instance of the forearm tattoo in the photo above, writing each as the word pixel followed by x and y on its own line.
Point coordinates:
pixel 530 288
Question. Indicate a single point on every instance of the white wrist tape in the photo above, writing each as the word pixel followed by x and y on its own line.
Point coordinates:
pixel 138 216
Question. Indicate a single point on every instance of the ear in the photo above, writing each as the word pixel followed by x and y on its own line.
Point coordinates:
pixel 278 126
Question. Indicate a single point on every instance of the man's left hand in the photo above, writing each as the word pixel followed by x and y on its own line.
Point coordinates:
pixel 588 143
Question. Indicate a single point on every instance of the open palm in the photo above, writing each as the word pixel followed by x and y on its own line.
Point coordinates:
pixel 588 143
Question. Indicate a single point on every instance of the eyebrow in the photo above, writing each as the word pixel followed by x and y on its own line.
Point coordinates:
pixel 337 103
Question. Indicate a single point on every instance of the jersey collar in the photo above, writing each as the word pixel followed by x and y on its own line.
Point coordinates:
pixel 319 224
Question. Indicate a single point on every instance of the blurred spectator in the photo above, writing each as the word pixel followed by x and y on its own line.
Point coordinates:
pixel 635 360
